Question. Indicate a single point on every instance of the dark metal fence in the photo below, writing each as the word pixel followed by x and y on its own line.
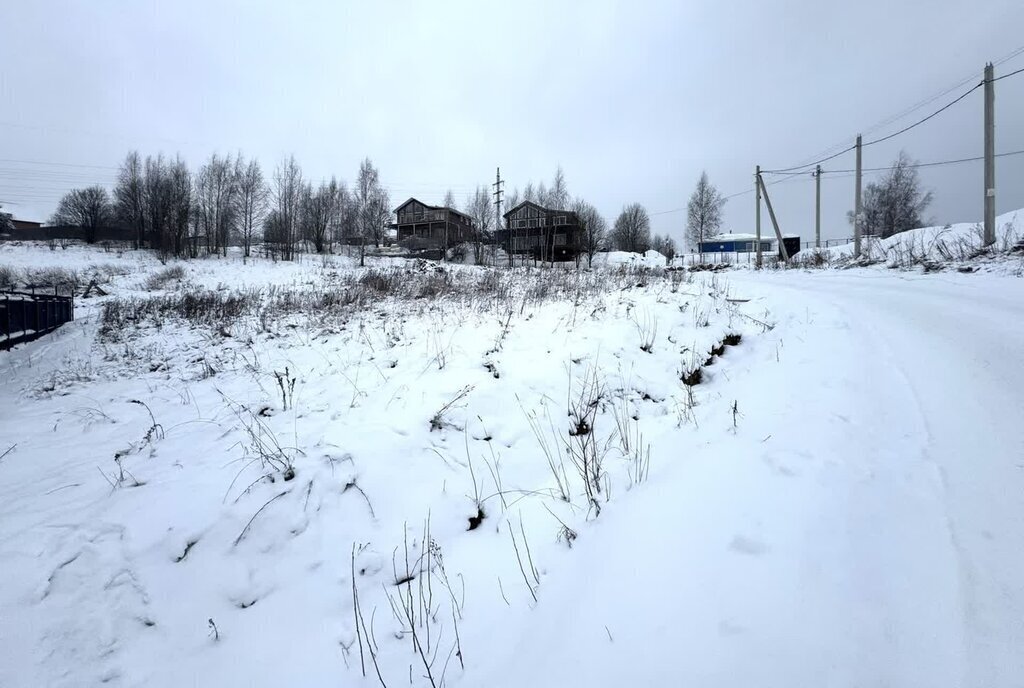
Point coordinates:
pixel 24 316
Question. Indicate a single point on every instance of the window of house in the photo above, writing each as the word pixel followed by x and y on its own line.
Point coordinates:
pixel 560 220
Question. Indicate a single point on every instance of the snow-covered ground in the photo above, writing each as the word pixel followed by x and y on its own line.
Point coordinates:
pixel 487 477
pixel 958 244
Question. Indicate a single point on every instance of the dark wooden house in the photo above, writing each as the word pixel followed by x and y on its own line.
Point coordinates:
pixel 542 233
pixel 436 224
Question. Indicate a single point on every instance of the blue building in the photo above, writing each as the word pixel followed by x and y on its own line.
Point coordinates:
pixel 747 243
pixel 734 243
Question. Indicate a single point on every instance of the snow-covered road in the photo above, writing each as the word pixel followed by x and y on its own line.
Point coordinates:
pixel 863 524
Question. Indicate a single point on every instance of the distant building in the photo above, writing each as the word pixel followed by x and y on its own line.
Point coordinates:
pixel 747 243
pixel 25 225
pixel 437 224
pixel 543 233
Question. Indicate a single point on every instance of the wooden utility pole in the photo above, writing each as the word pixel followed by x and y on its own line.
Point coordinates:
pixel 757 213
pixel 775 223
pixel 857 209
pixel 817 207
pixel 990 156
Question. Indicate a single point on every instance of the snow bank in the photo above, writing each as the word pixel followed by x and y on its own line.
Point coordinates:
pixel 651 259
pixel 948 244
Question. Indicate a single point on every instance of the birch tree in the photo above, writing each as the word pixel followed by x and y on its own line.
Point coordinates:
pixel 253 200
pixel 593 229
pixel 703 212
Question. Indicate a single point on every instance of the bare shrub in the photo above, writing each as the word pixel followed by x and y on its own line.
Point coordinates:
pixel 162 278
pixel 9 277
pixel 63 279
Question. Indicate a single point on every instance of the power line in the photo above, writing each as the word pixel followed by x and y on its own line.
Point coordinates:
pixel 925 119
pixel 1010 74
pixel 724 198
pixel 884 138
pixel 57 164
pixel 810 164
pixel 917 106
pixel 929 164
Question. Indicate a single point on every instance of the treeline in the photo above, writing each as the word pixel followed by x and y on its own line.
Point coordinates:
pixel 178 212
pixel 168 207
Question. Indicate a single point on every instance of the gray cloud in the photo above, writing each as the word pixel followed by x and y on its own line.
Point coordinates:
pixel 633 99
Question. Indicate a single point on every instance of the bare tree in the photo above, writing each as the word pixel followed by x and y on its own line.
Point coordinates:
pixel 896 202
pixel 593 229
pixel 253 200
pixel 632 230
pixel 347 220
pixel 88 208
pixel 665 245
pixel 558 194
pixel 378 214
pixel 373 207
pixel 480 209
pixel 216 206
pixel 703 212
pixel 129 197
pixel 288 206
pixel 449 199
pixel 320 210
pixel 529 193
pixel 156 201
pixel 179 208
pixel 6 222
pixel 512 199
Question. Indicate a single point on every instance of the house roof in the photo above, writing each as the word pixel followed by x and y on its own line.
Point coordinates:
pixel 432 207
pixel 734 237
pixel 718 238
pixel 538 207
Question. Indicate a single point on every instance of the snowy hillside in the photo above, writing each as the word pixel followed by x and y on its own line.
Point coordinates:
pixel 317 474
pixel 219 457
pixel 948 244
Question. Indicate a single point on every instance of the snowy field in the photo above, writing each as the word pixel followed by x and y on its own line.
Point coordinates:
pixel 317 474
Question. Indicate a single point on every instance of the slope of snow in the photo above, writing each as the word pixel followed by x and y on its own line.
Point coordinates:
pixel 861 525
pixel 167 542
pixel 836 503
pixel 957 243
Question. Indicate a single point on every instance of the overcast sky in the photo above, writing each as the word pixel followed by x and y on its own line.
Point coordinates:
pixel 633 99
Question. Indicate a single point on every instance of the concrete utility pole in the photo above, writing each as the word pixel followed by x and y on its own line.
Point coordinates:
pixel 757 213
pixel 990 156
pixel 775 223
pixel 817 207
pixel 857 209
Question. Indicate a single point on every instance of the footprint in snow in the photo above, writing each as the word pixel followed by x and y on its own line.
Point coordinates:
pixel 748 546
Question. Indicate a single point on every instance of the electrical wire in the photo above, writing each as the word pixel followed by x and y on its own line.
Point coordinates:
pixel 928 164
pixel 906 112
pixel 998 78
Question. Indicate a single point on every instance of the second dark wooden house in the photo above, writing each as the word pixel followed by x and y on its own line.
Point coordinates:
pixel 542 233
